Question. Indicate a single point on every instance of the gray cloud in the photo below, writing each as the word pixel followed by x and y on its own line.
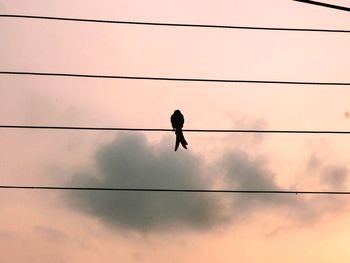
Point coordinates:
pixel 130 162
pixel 241 171
pixel 314 163
pixel 334 176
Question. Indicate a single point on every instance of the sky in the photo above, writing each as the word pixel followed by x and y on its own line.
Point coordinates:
pixel 64 226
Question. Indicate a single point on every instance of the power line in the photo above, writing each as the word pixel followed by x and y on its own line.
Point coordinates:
pixel 176 24
pixel 170 130
pixel 174 190
pixel 74 75
pixel 343 8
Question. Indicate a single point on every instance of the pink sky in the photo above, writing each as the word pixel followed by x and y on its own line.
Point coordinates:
pixel 47 227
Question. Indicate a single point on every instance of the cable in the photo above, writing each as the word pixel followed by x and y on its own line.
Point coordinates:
pixel 343 8
pixel 170 130
pixel 174 79
pixel 173 190
pixel 178 24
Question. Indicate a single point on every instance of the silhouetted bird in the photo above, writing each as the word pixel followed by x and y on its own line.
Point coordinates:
pixel 177 121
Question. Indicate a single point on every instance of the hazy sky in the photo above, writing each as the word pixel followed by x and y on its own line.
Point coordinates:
pixel 59 227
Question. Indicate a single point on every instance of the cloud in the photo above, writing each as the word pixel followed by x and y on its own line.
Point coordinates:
pixel 130 162
pixel 245 140
pixel 335 176
pixel 314 163
pixel 243 172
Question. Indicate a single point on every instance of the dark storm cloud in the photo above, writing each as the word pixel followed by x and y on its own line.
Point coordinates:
pixel 130 162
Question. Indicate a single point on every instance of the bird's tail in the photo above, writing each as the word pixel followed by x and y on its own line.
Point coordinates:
pixel 180 139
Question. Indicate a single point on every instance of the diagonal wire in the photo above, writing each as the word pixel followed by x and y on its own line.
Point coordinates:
pixel 74 75
pixel 343 8
pixel 174 24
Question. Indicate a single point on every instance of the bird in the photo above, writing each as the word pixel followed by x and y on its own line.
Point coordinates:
pixel 177 121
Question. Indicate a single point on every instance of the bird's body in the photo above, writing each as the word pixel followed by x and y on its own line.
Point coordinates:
pixel 177 121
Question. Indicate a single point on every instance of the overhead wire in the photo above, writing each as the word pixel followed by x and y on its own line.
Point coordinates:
pixel 173 24
pixel 46 127
pixel 343 8
pixel 187 130
pixel 75 75
pixel 227 191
